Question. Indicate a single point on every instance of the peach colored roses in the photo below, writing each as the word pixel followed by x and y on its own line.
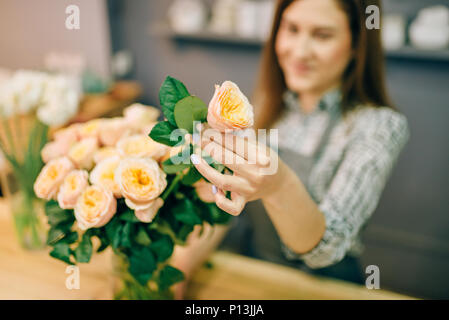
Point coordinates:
pixel 103 175
pixel 72 187
pixel 140 145
pixel 229 108
pixel 82 153
pixel 95 207
pixel 141 181
pixel 50 178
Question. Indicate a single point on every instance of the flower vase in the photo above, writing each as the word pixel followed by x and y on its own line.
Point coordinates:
pixel 27 212
pixel 126 287
pixel 21 140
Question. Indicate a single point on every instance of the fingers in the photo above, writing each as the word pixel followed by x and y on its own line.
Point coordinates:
pixel 222 181
pixel 244 148
pixel 225 156
pixel 233 206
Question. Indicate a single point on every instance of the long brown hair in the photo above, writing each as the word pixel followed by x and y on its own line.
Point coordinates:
pixel 363 79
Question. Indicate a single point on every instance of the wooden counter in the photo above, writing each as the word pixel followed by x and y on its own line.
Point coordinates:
pixel 35 275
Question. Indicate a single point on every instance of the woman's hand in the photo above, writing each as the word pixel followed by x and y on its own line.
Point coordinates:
pixel 257 169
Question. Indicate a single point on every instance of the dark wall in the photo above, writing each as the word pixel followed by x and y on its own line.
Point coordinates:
pixel 408 235
pixel 157 56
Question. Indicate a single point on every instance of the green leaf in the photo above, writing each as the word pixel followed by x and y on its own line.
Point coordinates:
pixel 219 216
pixel 191 177
pixel 178 162
pixel 170 168
pixel 162 133
pixel 126 235
pixel 142 237
pixel 61 251
pixel 162 248
pixel 172 90
pixel 56 215
pixel 61 233
pixel 83 252
pixel 104 242
pixel 113 232
pixel 128 216
pixel 184 232
pixel 169 276
pixel 142 264
pixel 188 110
pixel 184 211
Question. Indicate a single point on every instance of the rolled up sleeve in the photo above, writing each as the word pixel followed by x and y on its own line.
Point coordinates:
pixel 357 185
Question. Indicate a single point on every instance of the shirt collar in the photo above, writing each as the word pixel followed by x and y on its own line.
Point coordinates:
pixel 330 101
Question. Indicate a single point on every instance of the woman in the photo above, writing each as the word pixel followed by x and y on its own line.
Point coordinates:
pixel 322 86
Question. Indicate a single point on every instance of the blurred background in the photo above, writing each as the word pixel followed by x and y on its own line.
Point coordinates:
pixel 138 43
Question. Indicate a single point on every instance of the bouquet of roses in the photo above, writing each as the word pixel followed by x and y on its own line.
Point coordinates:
pixel 128 183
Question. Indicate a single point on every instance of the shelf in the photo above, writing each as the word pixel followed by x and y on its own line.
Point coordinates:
pixel 163 29
pixel 206 37
pixel 413 53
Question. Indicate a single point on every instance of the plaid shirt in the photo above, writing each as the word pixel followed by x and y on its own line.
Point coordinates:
pixel 348 178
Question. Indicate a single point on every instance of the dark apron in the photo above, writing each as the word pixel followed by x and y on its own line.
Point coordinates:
pixel 253 234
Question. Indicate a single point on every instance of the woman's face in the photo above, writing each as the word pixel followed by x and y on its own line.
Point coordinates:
pixel 313 45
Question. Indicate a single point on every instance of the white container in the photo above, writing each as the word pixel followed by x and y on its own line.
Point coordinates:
pixel 187 16
pixel 393 32
pixel 266 17
pixel 430 29
pixel 246 24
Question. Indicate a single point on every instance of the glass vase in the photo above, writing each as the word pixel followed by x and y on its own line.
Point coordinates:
pixel 28 214
pixel 126 287
pixel 21 140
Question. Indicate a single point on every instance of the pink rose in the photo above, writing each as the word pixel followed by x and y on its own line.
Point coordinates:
pixel 105 152
pixel 68 135
pixel 54 149
pixel 95 207
pixel 111 130
pixel 82 153
pixel 140 145
pixel 139 115
pixel 72 187
pixel 90 129
pixel 229 108
pixel 146 213
pixel 103 175
pixel 141 181
pixel 51 177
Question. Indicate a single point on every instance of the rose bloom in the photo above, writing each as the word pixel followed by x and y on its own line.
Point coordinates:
pixel 69 135
pixel 72 187
pixel 111 130
pixel 141 181
pixel 103 175
pixel 147 129
pixel 140 145
pixel 90 128
pixel 53 150
pixel 50 178
pixel 172 151
pixel 82 153
pixel 229 108
pixel 105 152
pixel 95 207
pixel 147 214
pixel 139 115
pixel 204 191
